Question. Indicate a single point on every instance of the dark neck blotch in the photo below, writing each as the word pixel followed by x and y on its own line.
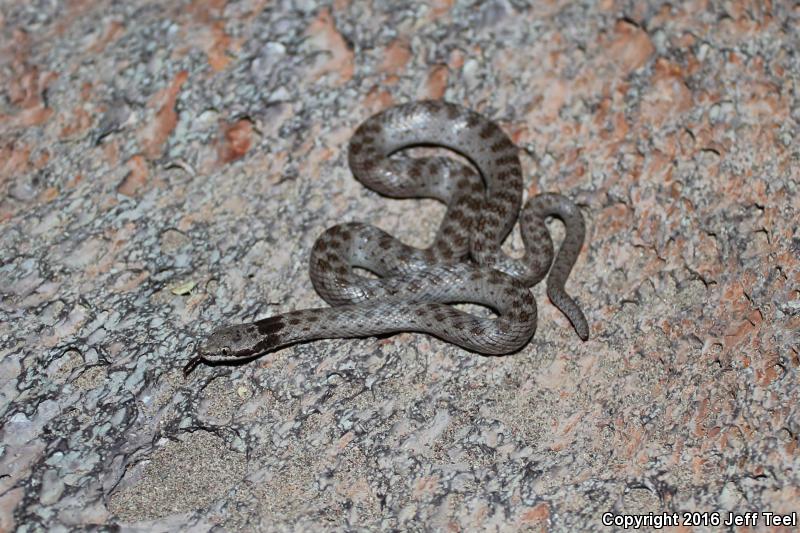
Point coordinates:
pixel 269 326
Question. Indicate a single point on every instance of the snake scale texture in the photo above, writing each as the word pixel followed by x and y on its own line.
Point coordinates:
pixel 415 288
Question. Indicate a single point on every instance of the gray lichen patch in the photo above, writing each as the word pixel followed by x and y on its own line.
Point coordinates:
pixel 184 476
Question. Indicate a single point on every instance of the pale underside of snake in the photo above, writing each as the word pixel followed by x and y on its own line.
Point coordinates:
pixel 415 289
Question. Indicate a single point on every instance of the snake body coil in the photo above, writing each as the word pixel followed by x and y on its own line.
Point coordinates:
pixel 465 264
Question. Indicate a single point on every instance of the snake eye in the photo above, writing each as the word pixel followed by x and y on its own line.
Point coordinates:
pixel 226 351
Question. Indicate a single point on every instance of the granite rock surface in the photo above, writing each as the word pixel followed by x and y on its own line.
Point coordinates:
pixel 166 166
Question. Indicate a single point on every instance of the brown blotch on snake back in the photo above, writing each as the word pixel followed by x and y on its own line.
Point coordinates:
pixel 507 160
pixel 430 106
pixel 473 119
pixel 503 144
pixel 453 112
pixel 488 131
pixel 473 203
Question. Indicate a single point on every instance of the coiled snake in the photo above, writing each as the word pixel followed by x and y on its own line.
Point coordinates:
pixel 465 264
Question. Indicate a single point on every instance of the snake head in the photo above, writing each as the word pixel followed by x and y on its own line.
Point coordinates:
pixel 227 344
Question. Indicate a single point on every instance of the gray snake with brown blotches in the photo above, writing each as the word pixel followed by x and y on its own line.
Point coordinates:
pixel 415 287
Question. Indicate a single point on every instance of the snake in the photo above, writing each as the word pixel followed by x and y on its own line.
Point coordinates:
pixel 412 289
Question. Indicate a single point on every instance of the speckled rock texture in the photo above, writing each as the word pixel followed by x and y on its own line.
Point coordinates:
pixel 166 166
